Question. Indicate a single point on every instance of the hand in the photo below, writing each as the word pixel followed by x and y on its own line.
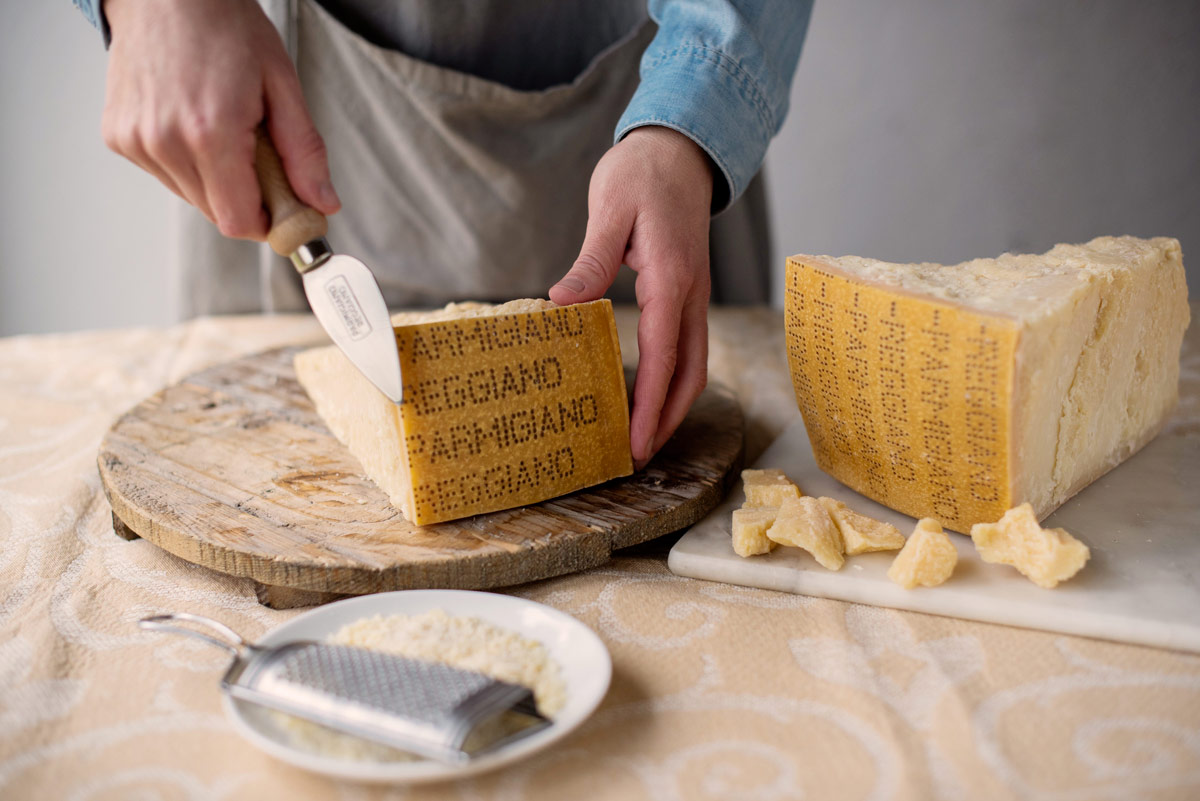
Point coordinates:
pixel 648 206
pixel 189 82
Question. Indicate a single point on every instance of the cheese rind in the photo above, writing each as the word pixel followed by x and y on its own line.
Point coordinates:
pixel 768 488
pixel 750 530
pixel 862 534
pixel 927 559
pixel 957 392
pixel 804 523
pixel 503 406
pixel 1044 556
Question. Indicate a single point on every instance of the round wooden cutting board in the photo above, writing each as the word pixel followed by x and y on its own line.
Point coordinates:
pixel 233 469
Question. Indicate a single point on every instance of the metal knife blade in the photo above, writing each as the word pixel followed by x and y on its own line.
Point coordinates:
pixel 346 299
pixel 341 290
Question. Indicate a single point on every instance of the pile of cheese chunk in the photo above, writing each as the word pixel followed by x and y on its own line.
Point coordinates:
pixel 776 512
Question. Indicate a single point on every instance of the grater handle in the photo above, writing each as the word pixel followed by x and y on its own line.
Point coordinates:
pixel 162 623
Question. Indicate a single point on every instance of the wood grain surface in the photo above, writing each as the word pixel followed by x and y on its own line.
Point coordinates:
pixel 233 469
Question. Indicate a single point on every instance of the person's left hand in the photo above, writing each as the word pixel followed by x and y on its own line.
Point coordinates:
pixel 648 206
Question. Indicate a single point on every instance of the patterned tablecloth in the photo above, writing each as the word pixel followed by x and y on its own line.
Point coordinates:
pixel 719 692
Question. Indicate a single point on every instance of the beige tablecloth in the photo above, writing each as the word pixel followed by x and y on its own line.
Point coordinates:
pixel 719 692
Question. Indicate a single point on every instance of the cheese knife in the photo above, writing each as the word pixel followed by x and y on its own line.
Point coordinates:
pixel 341 290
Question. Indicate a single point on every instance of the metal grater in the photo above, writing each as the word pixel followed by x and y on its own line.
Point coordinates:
pixel 426 708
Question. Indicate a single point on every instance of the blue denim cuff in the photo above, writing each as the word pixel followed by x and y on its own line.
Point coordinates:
pixel 707 96
pixel 93 10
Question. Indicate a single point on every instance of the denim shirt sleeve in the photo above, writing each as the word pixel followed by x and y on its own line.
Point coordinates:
pixel 720 72
pixel 92 10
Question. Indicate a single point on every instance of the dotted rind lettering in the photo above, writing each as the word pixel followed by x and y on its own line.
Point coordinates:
pixel 905 399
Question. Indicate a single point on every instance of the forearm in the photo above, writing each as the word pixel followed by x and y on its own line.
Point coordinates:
pixel 721 73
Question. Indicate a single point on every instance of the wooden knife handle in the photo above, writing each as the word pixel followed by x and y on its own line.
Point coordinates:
pixel 293 223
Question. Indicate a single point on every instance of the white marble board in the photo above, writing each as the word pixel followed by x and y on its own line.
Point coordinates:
pixel 1141 585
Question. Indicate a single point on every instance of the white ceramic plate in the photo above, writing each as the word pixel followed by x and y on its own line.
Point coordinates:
pixel 582 657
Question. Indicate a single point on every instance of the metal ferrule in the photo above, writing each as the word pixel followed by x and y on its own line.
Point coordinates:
pixel 311 255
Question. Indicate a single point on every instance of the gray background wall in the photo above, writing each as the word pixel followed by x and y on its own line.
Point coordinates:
pixel 920 130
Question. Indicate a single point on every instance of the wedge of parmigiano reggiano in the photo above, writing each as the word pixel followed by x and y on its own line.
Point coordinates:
pixel 503 406
pixel 958 392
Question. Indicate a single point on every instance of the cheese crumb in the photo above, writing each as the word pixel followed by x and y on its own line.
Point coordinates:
pixel 750 530
pixel 862 534
pixel 805 523
pixel 1044 556
pixel 928 558
pixel 768 488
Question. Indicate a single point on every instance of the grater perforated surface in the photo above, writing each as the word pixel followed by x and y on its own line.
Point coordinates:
pixel 418 690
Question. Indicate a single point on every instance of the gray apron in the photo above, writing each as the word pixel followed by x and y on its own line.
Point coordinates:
pixel 453 186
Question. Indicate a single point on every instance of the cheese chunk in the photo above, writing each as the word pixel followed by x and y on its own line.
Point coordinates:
pixel 750 530
pixel 927 559
pixel 503 406
pixel 768 488
pixel 958 392
pixel 1044 556
pixel 862 534
pixel 804 523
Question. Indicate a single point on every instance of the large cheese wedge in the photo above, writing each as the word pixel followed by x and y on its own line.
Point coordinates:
pixel 503 406
pixel 958 392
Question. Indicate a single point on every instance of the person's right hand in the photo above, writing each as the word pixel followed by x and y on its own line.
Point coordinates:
pixel 189 82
